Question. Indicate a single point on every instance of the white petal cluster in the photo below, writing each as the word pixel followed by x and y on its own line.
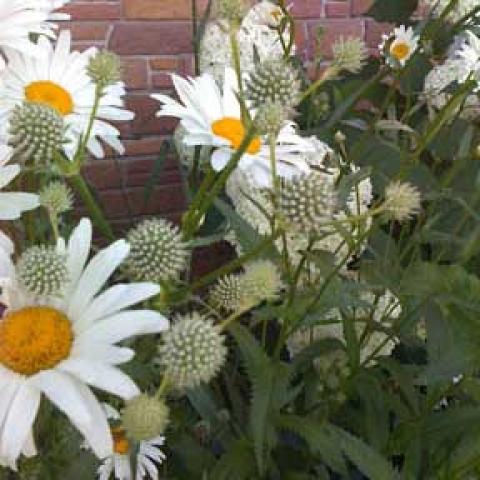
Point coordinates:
pixel 255 35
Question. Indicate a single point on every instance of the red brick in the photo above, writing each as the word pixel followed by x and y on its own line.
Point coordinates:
pixel 158 9
pixel 145 122
pixel 135 73
pixel 337 9
pixel 164 63
pixel 137 38
pixel 374 32
pixel 360 7
pixel 307 9
pixel 88 31
pixel 93 11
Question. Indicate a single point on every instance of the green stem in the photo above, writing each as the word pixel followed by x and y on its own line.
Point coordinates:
pixel 196 50
pixel 96 213
pixel 163 388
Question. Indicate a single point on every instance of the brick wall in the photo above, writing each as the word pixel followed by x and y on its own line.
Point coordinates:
pixel 153 38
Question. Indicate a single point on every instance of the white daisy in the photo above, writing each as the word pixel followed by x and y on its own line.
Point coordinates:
pixel 12 204
pixel 19 19
pixel 59 79
pixel 50 6
pixel 59 346
pixel 148 457
pixel 399 46
pixel 211 117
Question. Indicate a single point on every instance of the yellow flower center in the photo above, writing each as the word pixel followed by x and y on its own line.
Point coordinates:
pixel 51 94
pixel 232 129
pixel 34 339
pixel 121 445
pixel 400 50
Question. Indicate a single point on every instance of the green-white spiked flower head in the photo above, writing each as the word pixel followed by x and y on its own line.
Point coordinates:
pixel 274 82
pixel 104 69
pixel 193 351
pixel 157 252
pixel 42 271
pixel 227 293
pixel 261 281
pixel 231 10
pixel 270 118
pixel 307 202
pixel 36 132
pixel 145 417
pixel 56 197
pixel 349 54
pixel 402 201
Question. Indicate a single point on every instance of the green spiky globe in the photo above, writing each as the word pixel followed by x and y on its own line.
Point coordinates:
pixel 145 417
pixel 36 132
pixel 193 351
pixel 157 251
pixel 307 202
pixel 42 271
pixel 274 82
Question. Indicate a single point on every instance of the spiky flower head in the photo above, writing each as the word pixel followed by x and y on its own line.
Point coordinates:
pixel 56 197
pixel 193 351
pixel 104 68
pixel 349 54
pixel 145 417
pixel 306 202
pixel 227 293
pixel 402 201
pixel 270 118
pixel 42 271
pixel 36 132
pixel 273 81
pixel 157 251
pixel 261 281
pixel 231 10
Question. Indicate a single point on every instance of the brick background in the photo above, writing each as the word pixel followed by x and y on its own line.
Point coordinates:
pixel 153 38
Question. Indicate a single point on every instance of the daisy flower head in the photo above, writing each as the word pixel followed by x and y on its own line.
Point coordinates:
pixel 12 204
pixel 212 117
pixel 60 80
pixel 149 454
pixel 60 345
pixel 21 18
pixel 399 46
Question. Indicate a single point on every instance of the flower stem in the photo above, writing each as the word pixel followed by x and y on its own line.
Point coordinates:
pixel 96 213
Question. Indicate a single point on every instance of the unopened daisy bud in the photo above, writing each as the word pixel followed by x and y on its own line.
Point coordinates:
pixel 157 252
pixel 193 351
pixel 349 54
pixel 104 68
pixel 42 271
pixel 270 118
pixel 227 293
pixel 307 202
pixel 261 281
pixel 231 10
pixel 340 137
pixel 273 82
pixel 36 132
pixel 56 197
pixel 402 201
pixel 145 417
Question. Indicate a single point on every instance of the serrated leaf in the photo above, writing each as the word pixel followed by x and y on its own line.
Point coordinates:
pixel 393 11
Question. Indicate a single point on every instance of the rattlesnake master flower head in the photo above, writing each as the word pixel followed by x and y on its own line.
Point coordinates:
pixel 145 417
pixel 157 252
pixel 36 132
pixel 306 202
pixel 275 82
pixel 193 351
pixel 104 68
pixel 231 10
pixel 227 293
pixel 402 201
pixel 349 54
pixel 261 281
pixel 56 197
pixel 270 118
pixel 42 271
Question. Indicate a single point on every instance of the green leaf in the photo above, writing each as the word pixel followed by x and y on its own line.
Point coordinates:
pixel 393 11
pixel 318 439
pixel 368 460
pixel 156 172
pixel 238 463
